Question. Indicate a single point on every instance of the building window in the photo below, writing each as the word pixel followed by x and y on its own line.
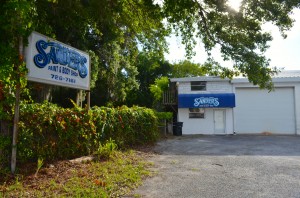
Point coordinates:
pixel 198 86
pixel 196 112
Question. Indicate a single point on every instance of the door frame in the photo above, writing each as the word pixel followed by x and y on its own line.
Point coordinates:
pixel 219 132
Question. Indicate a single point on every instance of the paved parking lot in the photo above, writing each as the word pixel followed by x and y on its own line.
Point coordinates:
pixel 225 166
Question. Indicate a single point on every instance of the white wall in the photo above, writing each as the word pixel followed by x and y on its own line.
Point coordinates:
pixel 260 111
pixel 211 87
pixel 206 125
pixel 295 85
pixel 297 107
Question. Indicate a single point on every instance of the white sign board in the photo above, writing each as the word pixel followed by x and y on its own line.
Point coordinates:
pixel 52 62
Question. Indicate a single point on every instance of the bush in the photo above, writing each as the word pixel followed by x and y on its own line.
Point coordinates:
pixel 127 126
pixel 51 132
pixel 5 150
pixel 164 115
pixel 106 150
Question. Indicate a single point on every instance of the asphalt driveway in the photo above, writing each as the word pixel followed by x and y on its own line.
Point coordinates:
pixel 225 166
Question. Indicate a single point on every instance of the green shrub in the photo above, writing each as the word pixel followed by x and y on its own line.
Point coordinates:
pixel 127 126
pixel 51 132
pixel 5 149
pixel 106 150
pixel 164 115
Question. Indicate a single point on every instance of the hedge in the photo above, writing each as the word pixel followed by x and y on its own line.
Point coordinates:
pixel 51 132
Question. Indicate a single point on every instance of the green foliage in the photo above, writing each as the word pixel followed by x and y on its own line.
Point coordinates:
pixel 120 75
pixel 5 148
pixel 188 69
pixel 164 115
pixel 111 32
pixel 115 177
pixel 180 70
pixel 149 67
pixel 127 126
pixel 40 163
pixel 114 33
pixel 107 149
pixel 51 132
pixel 160 85
pixel 16 22
pixel 239 34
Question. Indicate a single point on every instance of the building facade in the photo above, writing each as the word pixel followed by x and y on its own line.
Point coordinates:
pixel 211 105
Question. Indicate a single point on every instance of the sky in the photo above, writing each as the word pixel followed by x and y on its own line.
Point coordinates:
pixel 284 53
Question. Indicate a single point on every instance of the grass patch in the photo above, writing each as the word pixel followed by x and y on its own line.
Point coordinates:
pixel 114 177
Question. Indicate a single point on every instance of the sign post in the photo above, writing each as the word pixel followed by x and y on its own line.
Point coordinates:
pixel 88 100
pixel 16 113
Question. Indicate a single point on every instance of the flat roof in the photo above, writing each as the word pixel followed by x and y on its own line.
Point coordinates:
pixel 199 78
pixel 283 76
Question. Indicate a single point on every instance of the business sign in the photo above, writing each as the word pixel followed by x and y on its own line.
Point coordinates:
pixel 52 62
pixel 221 100
pixel 206 102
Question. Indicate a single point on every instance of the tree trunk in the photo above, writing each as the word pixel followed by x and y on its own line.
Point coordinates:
pixel 42 92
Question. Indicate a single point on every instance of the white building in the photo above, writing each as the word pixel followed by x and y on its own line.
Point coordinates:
pixel 211 105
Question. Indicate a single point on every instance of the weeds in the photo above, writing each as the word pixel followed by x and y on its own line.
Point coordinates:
pixel 114 177
pixel 40 163
pixel 106 150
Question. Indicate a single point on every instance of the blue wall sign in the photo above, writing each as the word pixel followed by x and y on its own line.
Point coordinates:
pixel 222 100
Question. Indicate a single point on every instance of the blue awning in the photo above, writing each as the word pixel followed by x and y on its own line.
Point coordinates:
pixel 220 100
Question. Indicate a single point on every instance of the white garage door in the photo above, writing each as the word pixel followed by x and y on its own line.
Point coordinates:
pixel 259 111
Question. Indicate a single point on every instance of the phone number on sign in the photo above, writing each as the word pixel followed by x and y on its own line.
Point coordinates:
pixel 61 78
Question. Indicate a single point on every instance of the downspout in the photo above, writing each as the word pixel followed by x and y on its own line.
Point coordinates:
pixel 233 120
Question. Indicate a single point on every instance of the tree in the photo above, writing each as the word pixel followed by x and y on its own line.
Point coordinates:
pixel 160 85
pixel 188 69
pixel 238 33
pixel 116 31
pixel 178 70
pixel 111 31
pixel 149 67
pixel 16 23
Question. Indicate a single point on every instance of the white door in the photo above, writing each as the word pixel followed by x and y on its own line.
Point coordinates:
pixel 259 111
pixel 219 120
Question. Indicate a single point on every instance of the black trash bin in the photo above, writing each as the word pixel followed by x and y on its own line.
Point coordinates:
pixel 177 128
